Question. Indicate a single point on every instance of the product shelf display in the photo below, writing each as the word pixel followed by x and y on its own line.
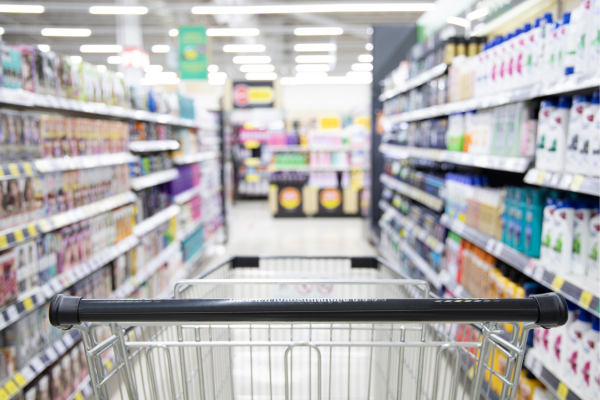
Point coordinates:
pixel 564 181
pixel 431 201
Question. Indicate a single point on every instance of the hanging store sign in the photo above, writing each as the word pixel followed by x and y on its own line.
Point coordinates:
pixel 193 57
pixel 253 94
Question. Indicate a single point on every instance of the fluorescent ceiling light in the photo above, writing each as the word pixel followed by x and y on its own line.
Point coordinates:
pixel 479 13
pixel 315 47
pixel 311 74
pixel 119 10
pixel 1 31
pixel 251 60
pixel 161 74
pixel 261 76
pixel 76 59
pixel 44 48
pixel 359 75
pixel 217 76
pixel 101 68
pixel 151 81
pixel 318 31
pixel 232 32
pixel 313 68
pixel 315 59
pixel 120 74
pixel 362 67
pixel 213 68
pixel 66 32
pixel 114 60
pixel 161 48
pixel 244 48
pixel 325 80
pixel 366 58
pixel 465 23
pixel 216 83
pixel 21 8
pixel 369 46
pixel 173 32
pixel 313 8
pixel 150 69
pixel 101 48
pixel 257 68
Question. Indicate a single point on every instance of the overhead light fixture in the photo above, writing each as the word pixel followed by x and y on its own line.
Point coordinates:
pixel 326 80
pixel 315 59
pixel 313 8
pixel 1 31
pixel 310 75
pixel 261 76
pixel 155 80
pixel 66 32
pixel 365 58
pixel 313 68
pixel 244 48
pixel 257 68
pixel 115 60
pixel 120 75
pixel 369 31
pixel 150 69
pixel 216 82
pixel 44 48
pixel 318 31
pixel 101 48
pixel 315 47
pixel 76 59
pixel 479 13
pixel 369 46
pixel 232 32
pixel 101 68
pixel 212 68
pixel 359 75
pixel 21 9
pixel 119 10
pixel 362 67
pixel 173 32
pixel 161 48
pixel 251 60
pixel 161 74
pixel 217 76
pixel 465 23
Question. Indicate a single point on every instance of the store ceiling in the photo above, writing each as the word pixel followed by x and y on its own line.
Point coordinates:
pixel 276 30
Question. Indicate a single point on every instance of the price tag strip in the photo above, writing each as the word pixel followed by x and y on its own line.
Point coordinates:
pixel 564 181
pixel 553 382
pixel 429 200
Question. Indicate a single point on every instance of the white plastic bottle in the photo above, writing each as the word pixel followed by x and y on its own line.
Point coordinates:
pixel 495 64
pixel 553 340
pixel 589 150
pixel 534 50
pixel 562 236
pixel 593 37
pixel 575 162
pixel 581 56
pixel 550 40
pixel 581 237
pixel 547 107
pixel 557 135
pixel 519 59
pixel 561 45
pixel 547 233
pixel 571 42
pixel 593 261
pixel 588 363
pixel 573 345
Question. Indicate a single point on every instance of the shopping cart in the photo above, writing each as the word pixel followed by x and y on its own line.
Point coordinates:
pixel 304 328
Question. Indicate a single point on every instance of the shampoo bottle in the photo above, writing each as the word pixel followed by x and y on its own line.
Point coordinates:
pixel 557 135
pixel 573 158
pixel 547 107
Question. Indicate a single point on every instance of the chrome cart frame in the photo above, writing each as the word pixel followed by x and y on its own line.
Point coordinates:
pixel 300 327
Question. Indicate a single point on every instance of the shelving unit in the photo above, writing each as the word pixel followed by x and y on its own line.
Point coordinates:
pixel 417 81
pixel 316 168
pixel 306 149
pixel 429 200
pixel 195 158
pixel 563 181
pixel 154 179
pixel 147 146
pixel 511 164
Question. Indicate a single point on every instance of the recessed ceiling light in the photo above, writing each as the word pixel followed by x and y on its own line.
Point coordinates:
pixel 369 46
pixel 369 31
pixel 212 68
pixel 1 31
pixel 251 60
pixel 318 31
pixel 153 68
pixel 313 67
pixel 261 76
pixel 161 48
pixel 232 32
pixel 101 48
pixel 244 48
pixel 365 58
pixel 315 47
pixel 257 68
pixel 217 76
pixel 119 10
pixel 313 8
pixel 66 32
pixel 362 67
pixel 21 8
pixel 173 32
pixel 315 59
pixel 114 60
pixel 311 75
pixel 44 48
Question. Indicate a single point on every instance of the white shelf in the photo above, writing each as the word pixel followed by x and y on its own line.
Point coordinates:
pixel 148 146
pixel 189 194
pixel 307 149
pixel 569 84
pixel 154 179
pixel 429 200
pixel 500 163
pixel 156 220
pixel 316 168
pixel 184 234
pixel 417 81
pixel 20 97
pixel 564 181
pixel 195 158
pixel 82 162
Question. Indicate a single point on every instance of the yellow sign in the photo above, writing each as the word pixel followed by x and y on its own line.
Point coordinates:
pixel 329 123
pixel 364 121
pixel 290 198
pixel 330 198
pixel 261 94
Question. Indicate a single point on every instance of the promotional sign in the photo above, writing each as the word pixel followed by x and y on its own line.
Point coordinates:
pixel 289 199
pixel 193 58
pixel 132 57
pixel 330 203
pixel 253 94
pixel 329 122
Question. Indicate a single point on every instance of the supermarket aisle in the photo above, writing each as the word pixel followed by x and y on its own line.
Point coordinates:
pixel 253 231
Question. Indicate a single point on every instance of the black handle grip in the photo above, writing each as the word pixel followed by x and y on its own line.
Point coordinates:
pixel 549 310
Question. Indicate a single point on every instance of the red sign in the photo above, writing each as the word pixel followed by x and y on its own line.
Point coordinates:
pixel 240 95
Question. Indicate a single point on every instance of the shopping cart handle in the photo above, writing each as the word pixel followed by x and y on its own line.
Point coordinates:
pixel 548 310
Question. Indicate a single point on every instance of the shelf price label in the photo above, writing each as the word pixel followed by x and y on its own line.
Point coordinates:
pixel 557 282
pixel 562 390
pixel 585 299
pixel 576 183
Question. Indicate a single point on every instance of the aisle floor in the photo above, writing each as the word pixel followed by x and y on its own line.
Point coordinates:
pixel 253 231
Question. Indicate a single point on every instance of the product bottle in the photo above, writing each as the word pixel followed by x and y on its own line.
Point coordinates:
pixel 547 233
pixel 561 45
pixel 587 366
pixel 562 239
pixel 573 345
pixel 533 51
pixel 593 261
pixel 571 42
pixel 554 342
pixel 547 107
pixel 575 161
pixel 549 60
pixel 593 37
pixel 557 135
pixel 589 146
pixel 581 237
pixel 519 59
pixel 586 19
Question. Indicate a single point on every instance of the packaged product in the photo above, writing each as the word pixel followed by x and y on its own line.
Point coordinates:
pixel 593 261
pixel 589 149
pixel 573 345
pixel 587 367
pixel 56 382
pixel 557 135
pixel 575 161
